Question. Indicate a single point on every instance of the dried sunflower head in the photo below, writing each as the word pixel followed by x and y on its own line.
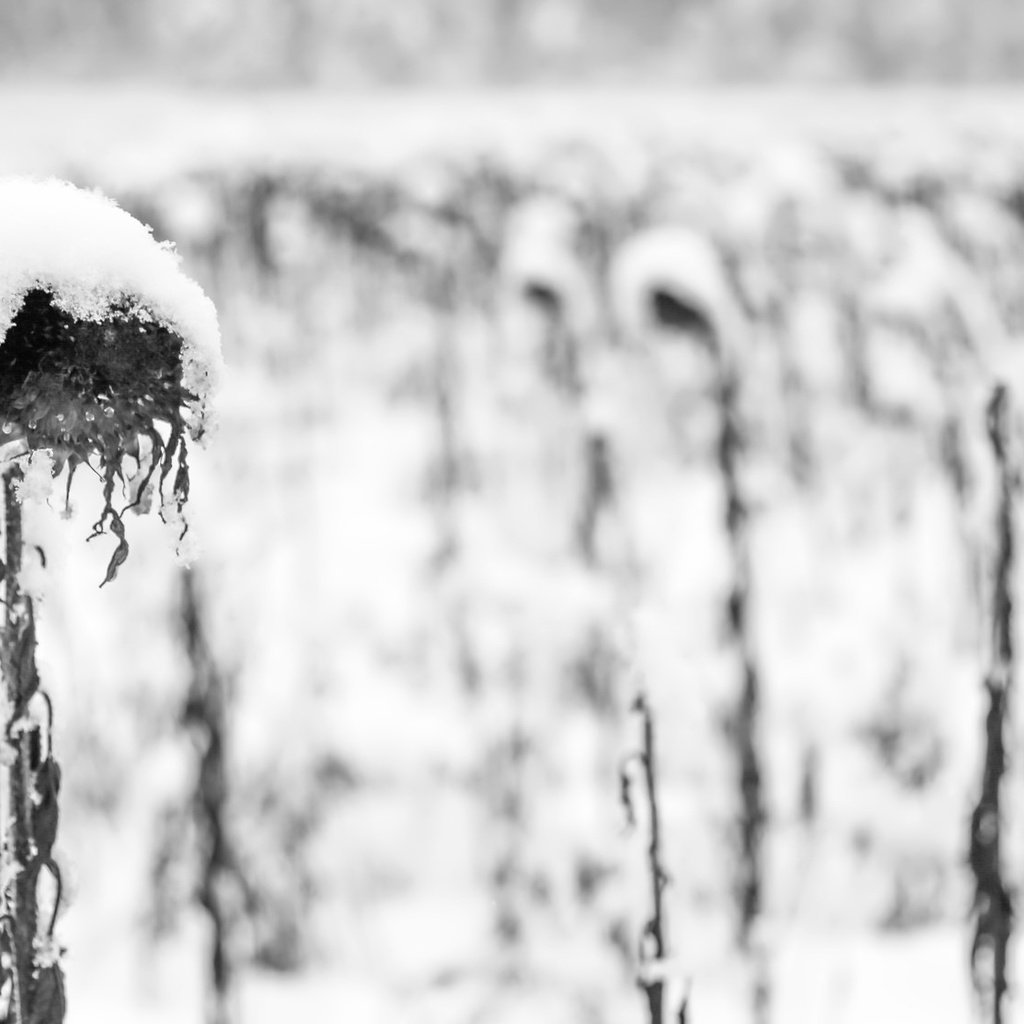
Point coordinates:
pixel 109 353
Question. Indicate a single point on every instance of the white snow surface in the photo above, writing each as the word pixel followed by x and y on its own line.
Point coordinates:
pixel 92 256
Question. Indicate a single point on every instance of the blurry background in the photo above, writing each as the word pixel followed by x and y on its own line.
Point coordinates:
pixel 469 497
pixel 260 42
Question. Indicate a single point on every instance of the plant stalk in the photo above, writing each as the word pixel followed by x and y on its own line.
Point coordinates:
pixel 993 904
pixel 20 683
pixel 206 719
pixel 653 942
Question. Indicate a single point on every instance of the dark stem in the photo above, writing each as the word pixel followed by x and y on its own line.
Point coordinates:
pixel 598 494
pixel 592 668
pixel 993 905
pixel 206 718
pixel 653 943
pixel 510 875
pixel 21 682
pixel 737 524
pixel 753 815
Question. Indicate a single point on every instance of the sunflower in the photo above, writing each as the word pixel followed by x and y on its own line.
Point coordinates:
pixel 110 353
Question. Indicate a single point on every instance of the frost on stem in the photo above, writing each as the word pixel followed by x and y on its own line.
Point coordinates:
pixel 652 941
pixel 652 977
pixel 109 354
pixel 32 979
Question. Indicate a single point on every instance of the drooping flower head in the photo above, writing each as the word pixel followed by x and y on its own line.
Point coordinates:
pixel 673 277
pixel 109 354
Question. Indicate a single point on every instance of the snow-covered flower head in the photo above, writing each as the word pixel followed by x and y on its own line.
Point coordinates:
pixel 540 261
pixel 107 350
pixel 672 276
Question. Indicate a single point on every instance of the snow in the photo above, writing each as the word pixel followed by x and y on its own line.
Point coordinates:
pixel 365 771
pixel 93 256
pixel 36 483
pixel 35 490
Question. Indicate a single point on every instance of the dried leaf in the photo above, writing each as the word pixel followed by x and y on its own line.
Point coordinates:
pixel 25 673
pixel 120 555
pixel 46 815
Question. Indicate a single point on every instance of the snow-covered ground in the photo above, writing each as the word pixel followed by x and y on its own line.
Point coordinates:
pixel 377 788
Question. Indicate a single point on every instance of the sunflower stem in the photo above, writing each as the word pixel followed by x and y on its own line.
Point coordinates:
pixel 993 900
pixel 206 716
pixel 18 661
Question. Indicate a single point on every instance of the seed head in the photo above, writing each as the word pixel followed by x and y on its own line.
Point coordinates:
pixel 109 354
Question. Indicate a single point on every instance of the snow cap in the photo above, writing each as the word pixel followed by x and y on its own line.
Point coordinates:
pixel 540 251
pixel 102 340
pixel 676 261
pixel 97 262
